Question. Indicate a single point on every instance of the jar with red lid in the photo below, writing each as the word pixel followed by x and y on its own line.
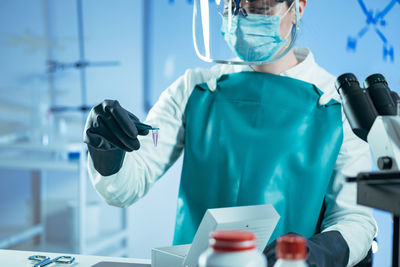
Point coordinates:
pixel 291 251
pixel 232 248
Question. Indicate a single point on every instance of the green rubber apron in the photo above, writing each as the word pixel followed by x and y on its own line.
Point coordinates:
pixel 258 139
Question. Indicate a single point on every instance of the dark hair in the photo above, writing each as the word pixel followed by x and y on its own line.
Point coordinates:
pixel 289 2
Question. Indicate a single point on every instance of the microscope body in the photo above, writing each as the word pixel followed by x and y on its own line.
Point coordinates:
pixel 384 141
pixel 372 113
pixel 374 116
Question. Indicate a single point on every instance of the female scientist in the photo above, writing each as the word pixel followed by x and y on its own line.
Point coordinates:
pixel 265 127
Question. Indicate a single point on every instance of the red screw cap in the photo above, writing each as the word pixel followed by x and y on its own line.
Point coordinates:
pixel 291 247
pixel 232 240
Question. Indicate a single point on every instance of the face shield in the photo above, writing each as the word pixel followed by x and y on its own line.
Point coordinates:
pixel 250 32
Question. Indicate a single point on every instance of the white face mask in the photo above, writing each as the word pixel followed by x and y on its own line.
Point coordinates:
pixel 255 37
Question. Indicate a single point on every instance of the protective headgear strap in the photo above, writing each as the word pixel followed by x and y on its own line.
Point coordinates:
pixel 239 9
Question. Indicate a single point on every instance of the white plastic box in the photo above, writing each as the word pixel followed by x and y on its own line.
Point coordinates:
pixel 259 219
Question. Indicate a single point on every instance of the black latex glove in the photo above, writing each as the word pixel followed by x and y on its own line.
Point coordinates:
pixel 110 131
pixel 328 249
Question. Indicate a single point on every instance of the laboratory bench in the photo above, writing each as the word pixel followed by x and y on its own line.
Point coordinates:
pixel 18 258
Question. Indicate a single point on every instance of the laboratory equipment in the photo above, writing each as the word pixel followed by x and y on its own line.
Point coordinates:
pixel 291 251
pixel 378 124
pixel 362 106
pixel 259 219
pixel 232 248
pixel 380 94
pixel 154 131
pixel 41 261
pixel 81 65
pixel 38 258
pixel 155 137
pixel 357 105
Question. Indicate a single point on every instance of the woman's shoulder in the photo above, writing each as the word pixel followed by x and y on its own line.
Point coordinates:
pixel 181 89
pixel 324 79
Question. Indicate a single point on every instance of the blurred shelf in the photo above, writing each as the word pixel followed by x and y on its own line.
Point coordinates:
pixel 36 161
pixel 74 146
pixel 36 156
pixel 53 248
pixel 12 236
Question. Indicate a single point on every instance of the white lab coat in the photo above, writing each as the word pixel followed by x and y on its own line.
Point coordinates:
pixel 142 168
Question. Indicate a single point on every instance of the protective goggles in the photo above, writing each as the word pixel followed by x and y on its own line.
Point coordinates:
pixel 244 7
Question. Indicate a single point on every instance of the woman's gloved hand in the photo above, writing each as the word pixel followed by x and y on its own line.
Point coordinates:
pixel 328 249
pixel 109 132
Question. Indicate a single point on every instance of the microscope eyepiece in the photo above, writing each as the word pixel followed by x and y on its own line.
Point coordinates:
pixel 374 79
pixel 357 105
pixel 380 94
pixel 362 106
pixel 345 79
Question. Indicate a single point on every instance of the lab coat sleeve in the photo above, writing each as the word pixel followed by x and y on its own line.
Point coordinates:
pixel 353 221
pixel 143 167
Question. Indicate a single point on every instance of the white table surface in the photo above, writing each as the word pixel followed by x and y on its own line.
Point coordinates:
pixel 17 258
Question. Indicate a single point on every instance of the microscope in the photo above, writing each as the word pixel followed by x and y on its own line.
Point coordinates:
pixel 373 114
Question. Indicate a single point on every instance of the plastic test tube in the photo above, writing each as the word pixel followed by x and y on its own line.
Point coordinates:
pixel 154 131
pixel 155 136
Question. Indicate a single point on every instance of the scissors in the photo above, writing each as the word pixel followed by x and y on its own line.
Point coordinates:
pixel 44 260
